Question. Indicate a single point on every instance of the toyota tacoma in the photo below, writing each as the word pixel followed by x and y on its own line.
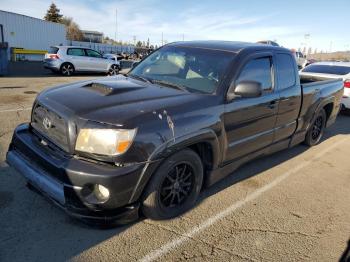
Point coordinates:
pixel 147 142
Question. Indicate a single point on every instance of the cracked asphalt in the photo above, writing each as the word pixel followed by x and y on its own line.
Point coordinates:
pixel 305 216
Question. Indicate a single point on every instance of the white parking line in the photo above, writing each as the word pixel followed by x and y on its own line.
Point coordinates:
pixel 15 110
pixel 155 254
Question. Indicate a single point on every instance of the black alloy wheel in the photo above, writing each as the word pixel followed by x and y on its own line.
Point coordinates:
pixel 175 186
pixel 316 130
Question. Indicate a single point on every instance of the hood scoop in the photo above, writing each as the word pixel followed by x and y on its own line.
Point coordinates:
pixel 108 90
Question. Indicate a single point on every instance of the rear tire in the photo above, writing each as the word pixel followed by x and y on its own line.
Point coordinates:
pixel 315 132
pixel 67 69
pixel 175 186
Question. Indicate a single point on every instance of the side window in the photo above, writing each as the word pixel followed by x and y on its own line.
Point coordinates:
pixel 93 53
pixel 285 71
pixel 259 70
pixel 75 52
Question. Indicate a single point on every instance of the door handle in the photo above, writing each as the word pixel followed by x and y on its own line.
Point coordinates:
pixel 272 104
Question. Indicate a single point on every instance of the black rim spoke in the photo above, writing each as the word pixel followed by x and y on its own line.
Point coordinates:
pixel 317 128
pixel 177 185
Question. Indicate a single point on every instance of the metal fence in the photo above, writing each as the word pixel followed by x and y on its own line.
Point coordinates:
pixel 103 48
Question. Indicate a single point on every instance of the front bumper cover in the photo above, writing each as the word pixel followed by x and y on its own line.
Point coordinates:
pixel 61 178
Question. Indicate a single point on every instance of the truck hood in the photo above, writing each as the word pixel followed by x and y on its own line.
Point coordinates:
pixel 116 100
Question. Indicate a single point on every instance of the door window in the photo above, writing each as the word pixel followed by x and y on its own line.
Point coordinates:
pixel 258 70
pixel 76 52
pixel 93 53
pixel 285 71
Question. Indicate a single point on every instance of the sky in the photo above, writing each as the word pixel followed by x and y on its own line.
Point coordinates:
pixel 318 24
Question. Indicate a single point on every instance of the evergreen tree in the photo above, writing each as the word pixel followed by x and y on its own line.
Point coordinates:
pixel 53 14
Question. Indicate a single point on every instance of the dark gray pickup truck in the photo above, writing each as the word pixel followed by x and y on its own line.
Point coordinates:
pixel 189 114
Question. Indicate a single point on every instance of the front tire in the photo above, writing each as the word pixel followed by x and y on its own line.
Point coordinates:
pixel 175 186
pixel 67 69
pixel 316 130
pixel 114 70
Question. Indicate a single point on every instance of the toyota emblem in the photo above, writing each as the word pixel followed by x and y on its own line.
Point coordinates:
pixel 47 123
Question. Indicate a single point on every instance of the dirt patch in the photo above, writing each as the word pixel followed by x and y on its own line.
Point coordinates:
pixel 30 92
pixel 11 99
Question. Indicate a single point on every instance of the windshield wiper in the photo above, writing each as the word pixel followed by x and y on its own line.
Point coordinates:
pixel 144 79
pixel 165 83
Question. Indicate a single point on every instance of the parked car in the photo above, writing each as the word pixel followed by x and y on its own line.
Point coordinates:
pixel 331 70
pixel 70 59
pixel 185 117
pixel 114 57
pixel 300 58
pixel 310 61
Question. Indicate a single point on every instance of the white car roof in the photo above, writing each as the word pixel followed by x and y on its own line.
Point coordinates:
pixel 71 46
pixel 347 64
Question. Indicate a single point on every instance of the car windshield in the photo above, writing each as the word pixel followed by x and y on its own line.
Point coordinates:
pixel 191 69
pixel 327 69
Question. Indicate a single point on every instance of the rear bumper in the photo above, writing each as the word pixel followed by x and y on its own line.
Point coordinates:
pixel 346 102
pixel 62 178
pixel 52 64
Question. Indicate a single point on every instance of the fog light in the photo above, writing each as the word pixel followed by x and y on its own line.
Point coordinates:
pixel 101 192
pixel 95 193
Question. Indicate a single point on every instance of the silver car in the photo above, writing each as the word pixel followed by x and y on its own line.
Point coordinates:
pixel 70 59
pixel 332 70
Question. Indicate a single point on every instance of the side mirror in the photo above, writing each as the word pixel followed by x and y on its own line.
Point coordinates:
pixel 245 89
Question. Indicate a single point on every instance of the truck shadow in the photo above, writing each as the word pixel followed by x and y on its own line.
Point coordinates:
pixel 257 166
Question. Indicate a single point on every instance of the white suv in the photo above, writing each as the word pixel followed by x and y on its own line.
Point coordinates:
pixel 70 59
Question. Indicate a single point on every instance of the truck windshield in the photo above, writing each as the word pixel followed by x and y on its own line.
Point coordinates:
pixel 192 69
pixel 327 69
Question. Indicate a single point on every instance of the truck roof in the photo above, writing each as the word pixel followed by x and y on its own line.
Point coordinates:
pixel 228 46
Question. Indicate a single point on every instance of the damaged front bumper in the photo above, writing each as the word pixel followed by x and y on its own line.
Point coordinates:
pixel 62 178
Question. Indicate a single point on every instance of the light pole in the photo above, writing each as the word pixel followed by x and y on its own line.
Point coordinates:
pixel 116 25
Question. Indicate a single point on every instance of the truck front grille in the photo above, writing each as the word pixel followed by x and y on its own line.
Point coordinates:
pixel 50 125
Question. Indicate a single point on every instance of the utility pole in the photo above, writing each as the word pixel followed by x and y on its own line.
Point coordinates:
pixel 134 38
pixel 162 39
pixel 116 25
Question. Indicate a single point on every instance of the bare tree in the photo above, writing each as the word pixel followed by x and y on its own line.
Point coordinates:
pixel 73 31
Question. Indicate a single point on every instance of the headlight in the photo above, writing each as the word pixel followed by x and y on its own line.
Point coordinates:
pixel 109 142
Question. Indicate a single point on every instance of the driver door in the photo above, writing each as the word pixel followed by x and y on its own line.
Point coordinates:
pixel 250 122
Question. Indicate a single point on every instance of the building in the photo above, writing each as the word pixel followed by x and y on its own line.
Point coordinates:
pixel 30 34
pixel 92 36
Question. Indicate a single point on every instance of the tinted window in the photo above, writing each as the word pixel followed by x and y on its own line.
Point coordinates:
pixel 285 71
pixel 53 50
pixel 258 70
pixel 194 69
pixel 328 69
pixel 76 51
pixel 93 53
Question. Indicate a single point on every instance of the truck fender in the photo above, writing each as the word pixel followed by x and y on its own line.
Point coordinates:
pixel 170 147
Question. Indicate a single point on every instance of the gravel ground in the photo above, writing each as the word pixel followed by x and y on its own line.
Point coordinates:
pixel 293 205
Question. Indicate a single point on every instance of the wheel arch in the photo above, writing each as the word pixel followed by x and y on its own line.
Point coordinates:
pixel 204 142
